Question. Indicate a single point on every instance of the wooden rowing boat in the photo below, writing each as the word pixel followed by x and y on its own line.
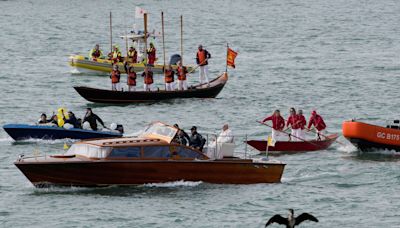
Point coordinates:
pixel 121 97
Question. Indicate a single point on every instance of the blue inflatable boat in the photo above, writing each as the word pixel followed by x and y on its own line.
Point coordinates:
pixel 25 131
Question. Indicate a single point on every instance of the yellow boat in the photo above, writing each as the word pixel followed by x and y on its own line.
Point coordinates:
pixel 103 66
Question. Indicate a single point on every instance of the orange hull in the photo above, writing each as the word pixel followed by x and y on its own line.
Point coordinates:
pixel 367 136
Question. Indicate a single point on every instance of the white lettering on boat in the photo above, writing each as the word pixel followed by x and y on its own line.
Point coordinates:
pixel 394 137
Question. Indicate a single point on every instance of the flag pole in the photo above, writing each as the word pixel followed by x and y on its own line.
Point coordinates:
pixel 227 52
pixel 182 40
pixel 163 40
pixel 145 37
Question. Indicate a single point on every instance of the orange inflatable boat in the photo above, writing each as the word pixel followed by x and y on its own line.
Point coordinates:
pixel 367 136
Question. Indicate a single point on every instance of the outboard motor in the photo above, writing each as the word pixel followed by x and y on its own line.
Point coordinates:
pixel 175 59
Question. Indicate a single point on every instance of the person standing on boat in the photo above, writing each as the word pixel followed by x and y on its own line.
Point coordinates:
pixel 115 56
pixel 201 59
pixel 96 53
pixel 278 123
pixel 292 122
pixel 318 123
pixel 301 122
pixel 196 140
pixel 92 119
pixel 182 72
pixel 148 78
pixel 115 78
pixel 181 136
pixel 151 54
pixel 131 80
pixel 169 78
pixel 132 55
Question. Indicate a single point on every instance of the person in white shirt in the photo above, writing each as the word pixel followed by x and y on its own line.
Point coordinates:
pixel 214 149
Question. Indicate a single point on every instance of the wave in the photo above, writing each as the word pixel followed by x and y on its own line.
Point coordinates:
pixel 180 183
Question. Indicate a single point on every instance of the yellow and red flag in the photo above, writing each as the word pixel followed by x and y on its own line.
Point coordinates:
pixel 230 57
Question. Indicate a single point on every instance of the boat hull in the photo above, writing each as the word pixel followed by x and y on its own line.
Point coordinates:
pixel 25 131
pixel 367 137
pixel 121 97
pixel 104 66
pixel 104 173
pixel 293 147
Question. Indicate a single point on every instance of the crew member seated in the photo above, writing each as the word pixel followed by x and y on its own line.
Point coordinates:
pixel 96 53
pixel 72 120
pixel 115 56
pixel 215 149
pixel 92 119
pixel 196 140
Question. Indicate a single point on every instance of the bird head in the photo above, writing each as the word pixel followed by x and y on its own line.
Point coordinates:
pixel 291 212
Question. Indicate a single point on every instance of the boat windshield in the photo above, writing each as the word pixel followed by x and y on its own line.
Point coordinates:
pixel 87 150
pixel 158 130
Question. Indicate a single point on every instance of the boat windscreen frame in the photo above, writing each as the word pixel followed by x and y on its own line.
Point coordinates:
pixel 159 130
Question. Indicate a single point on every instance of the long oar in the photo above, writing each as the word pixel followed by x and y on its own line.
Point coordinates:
pixel 326 137
pixel 290 134
pixel 197 66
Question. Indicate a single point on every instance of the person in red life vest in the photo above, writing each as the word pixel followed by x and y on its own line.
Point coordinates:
pixel 96 53
pixel 182 72
pixel 278 123
pixel 292 122
pixel 115 56
pixel 131 81
pixel 301 122
pixel 318 123
pixel 151 54
pixel 132 55
pixel 169 78
pixel 201 59
pixel 115 77
pixel 148 78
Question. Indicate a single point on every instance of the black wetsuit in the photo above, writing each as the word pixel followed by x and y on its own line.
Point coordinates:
pixel 92 119
pixel 73 121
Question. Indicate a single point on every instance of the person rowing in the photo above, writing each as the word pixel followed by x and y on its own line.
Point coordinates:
pixel 301 121
pixel 318 123
pixel 292 122
pixel 278 123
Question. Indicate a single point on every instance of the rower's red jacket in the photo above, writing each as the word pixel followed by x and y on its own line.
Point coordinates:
pixel 278 123
pixel 301 121
pixel 317 121
pixel 293 120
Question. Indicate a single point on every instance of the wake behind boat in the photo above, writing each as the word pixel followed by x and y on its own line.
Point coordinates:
pixel 26 131
pixel 115 97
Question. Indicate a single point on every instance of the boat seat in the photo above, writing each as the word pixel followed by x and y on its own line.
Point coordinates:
pixel 227 149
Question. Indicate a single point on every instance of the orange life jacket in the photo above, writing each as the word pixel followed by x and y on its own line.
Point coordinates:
pixel 131 79
pixel 148 78
pixel 169 76
pixel 115 76
pixel 202 57
pixel 182 73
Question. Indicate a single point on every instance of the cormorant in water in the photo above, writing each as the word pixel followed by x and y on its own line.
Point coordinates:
pixel 291 221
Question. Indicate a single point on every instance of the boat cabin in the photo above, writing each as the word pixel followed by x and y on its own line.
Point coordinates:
pixel 154 143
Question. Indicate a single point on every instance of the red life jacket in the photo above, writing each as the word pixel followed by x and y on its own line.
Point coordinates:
pixel 133 56
pixel 182 73
pixel 151 55
pixel 131 79
pixel 201 55
pixel 148 78
pixel 96 54
pixel 115 76
pixel 169 76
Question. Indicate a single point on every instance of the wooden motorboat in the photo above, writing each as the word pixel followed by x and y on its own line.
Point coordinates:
pixel 367 137
pixel 115 97
pixel 104 67
pixel 152 157
pixel 26 131
pixel 294 146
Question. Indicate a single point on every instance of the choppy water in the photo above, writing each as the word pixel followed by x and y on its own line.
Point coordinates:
pixel 339 57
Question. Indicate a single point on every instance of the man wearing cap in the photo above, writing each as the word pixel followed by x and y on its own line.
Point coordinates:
pixel 196 140
pixel 318 123
pixel 201 59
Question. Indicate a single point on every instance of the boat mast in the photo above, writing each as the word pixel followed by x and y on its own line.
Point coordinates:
pixel 163 41
pixel 145 37
pixel 111 33
pixel 182 40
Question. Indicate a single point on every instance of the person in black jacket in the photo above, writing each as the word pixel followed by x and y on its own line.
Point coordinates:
pixel 72 120
pixel 92 119
pixel 196 140
pixel 181 136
